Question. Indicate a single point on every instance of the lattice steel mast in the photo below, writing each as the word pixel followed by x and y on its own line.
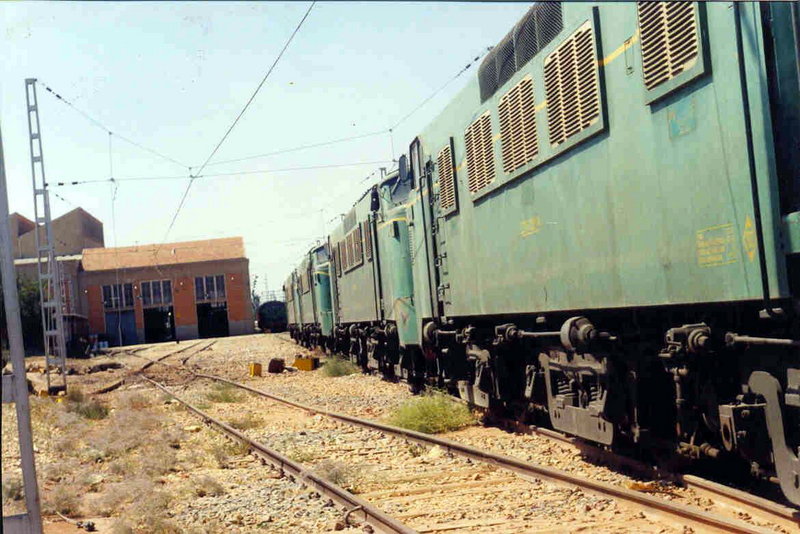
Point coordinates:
pixel 50 283
pixel 15 386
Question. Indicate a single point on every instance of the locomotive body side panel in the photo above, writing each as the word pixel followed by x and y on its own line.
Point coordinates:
pixel 356 295
pixel 394 262
pixel 654 208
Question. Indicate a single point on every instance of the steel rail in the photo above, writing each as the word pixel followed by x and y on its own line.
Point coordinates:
pixel 117 383
pixel 786 516
pixel 687 513
pixel 356 506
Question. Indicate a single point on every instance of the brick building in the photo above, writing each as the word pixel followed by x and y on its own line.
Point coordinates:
pixel 143 293
pixel 178 291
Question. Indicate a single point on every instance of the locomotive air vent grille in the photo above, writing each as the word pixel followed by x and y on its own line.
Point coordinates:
pixel 505 59
pixel 540 25
pixel 669 40
pixel 447 185
pixel 571 87
pixel 480 160
pixel 350 220
pixel 345 255
pixel 367 240
pixel 350 251
pixel 519 142
pixel 357 246
pixel 340 257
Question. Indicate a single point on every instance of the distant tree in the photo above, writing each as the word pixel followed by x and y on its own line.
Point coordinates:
pixel 30 312
pixel 255 299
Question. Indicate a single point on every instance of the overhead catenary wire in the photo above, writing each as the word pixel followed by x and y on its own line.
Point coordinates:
pixel 301 147
pixel 224 174
pixel 105 128
pixel 235 122
pixel 375 133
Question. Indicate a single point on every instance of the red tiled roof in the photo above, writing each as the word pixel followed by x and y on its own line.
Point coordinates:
pixel 104 259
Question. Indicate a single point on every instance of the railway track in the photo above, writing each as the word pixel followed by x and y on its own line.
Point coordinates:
pixel 356 506
pixel 117 383
pixel 742 504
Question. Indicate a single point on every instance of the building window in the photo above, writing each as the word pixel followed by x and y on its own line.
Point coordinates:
pixel 220 283
pixel 209 288
pixel 156 293
pixel 118 296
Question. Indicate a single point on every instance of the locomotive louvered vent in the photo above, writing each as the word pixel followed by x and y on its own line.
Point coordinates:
pixel 350 220
pixel 447 184
pixel 669 40
pixel 536 29
pixel 520 143
pixel 357 250
pixel 367 240
pixel 480 160
pixel 505 60
pixel 350 252
pixel 570 86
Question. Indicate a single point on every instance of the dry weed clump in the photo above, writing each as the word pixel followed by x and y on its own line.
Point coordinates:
pixel 60 470
pixel 302 456
pixel 246 422
pixel 135 400
pixel 432 414
pixel 157 459
pixel 62 499
pixel 337 366
pixel 349 477
pixel 149 513
pixel 91 409
pixel 224 452
pixel 75 394
pixel 224 393
pixel 127 431
pixel 205 486
pixel 13 489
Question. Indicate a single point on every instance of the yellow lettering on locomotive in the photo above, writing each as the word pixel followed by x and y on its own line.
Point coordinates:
pixel 749 238
pixel 717 246
pixel 530 226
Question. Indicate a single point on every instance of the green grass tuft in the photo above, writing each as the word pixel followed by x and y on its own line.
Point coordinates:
pixel 246 422
pixel 90 409
pixel 432 414
pixel 339 367
pixel 224 393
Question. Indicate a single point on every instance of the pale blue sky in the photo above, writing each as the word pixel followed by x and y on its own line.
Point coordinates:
pixel 173 77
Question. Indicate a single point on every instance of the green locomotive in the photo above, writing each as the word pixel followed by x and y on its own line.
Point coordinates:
pixel 602 230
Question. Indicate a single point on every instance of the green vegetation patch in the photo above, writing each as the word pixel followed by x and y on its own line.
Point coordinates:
pixel 90 409
pixel 432 414
pixel 339 367
pixel 224 393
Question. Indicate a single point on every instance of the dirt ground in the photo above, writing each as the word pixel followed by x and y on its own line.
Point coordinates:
pixel 134 460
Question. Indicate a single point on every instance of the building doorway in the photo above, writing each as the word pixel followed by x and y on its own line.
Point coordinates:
pixel 212 319
pixel 121 328
pixel 159 325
